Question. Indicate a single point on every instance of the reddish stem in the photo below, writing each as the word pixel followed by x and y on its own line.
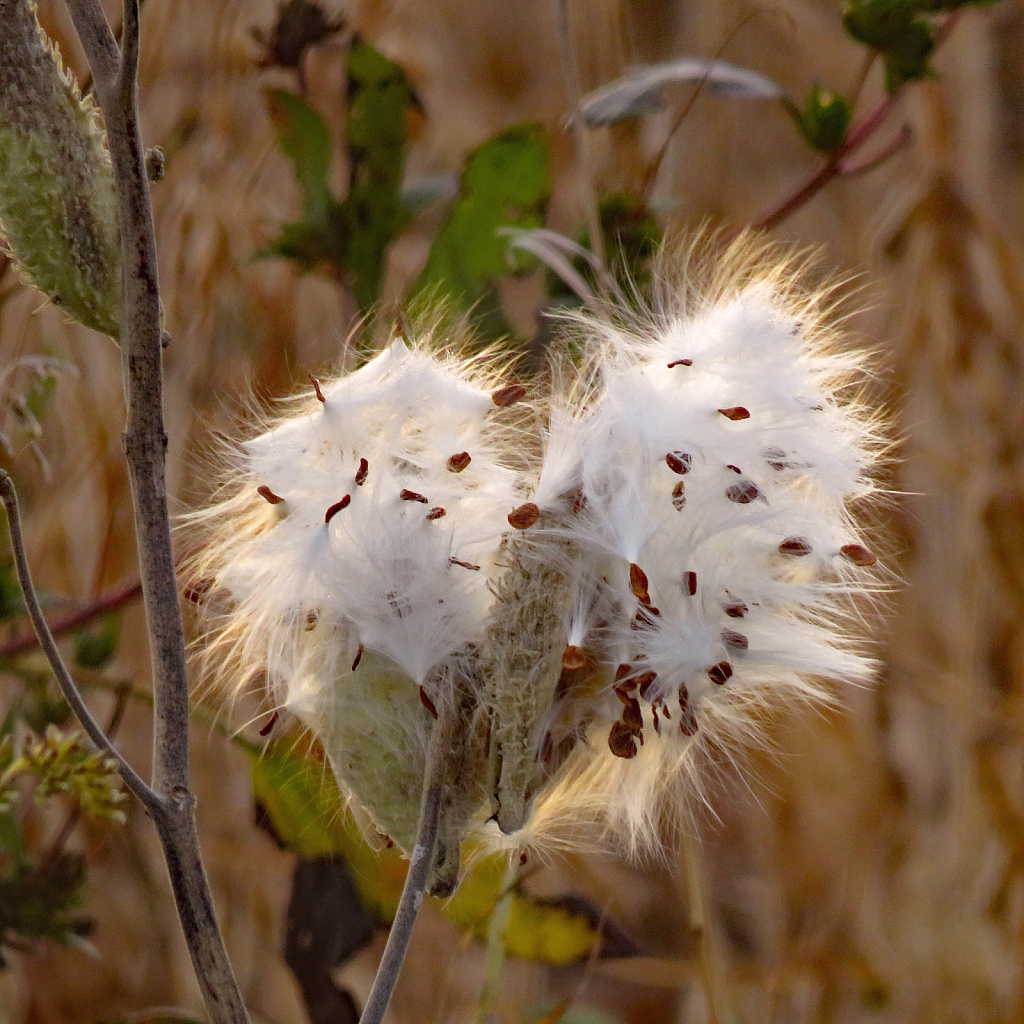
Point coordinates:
pixel 834 166
pixel 122 595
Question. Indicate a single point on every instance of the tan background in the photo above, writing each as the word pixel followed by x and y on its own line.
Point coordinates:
pixel 872 873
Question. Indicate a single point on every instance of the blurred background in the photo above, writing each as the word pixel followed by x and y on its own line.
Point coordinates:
pixel 874 869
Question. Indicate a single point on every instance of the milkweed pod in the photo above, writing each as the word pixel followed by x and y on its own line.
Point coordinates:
pixel 58 209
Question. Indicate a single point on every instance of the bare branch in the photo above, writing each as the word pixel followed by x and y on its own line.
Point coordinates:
pixel 132 780
pixel 145 444
pixel 415 881
pixel 97 40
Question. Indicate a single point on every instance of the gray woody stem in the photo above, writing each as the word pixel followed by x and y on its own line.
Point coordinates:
pixel 114 78
pixel 420 863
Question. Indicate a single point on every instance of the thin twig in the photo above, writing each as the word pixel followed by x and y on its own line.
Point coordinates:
pixel 833 167
pixel 651 173
pixel 145 440
pixel 132 779
pixel 113 599
pixel 851 168
pixel 415 881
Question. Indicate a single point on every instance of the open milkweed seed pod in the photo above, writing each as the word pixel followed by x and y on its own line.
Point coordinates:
pixel 581 581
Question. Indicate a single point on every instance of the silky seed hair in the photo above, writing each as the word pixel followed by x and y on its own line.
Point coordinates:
pixel 718 455
pixel 607 579
pixel 353 548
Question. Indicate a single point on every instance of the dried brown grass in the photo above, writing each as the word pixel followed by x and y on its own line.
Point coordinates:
pixel 873 871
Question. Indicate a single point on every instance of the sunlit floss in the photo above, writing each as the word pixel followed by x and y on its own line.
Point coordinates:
pixel 579 582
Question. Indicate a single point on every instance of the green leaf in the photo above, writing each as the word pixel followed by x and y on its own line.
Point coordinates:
pixel 505 182
pixel 37 901
pixel 95 647
pixel 379 95
pixel 824 120
pixel 899 30
pixel 12 604
pixel 305 139
pixel 348 238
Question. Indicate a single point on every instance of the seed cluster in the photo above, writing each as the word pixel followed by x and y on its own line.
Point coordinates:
pixel 679 554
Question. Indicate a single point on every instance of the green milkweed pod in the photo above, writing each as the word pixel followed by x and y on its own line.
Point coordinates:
pixel 58 209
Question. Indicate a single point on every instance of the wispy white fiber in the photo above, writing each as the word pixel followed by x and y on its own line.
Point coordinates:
pixel 662 550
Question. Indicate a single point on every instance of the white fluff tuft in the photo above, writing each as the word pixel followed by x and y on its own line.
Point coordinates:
pixel 691 542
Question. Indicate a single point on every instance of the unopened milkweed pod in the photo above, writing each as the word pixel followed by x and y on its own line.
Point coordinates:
pixel 357 551
pixel 58 210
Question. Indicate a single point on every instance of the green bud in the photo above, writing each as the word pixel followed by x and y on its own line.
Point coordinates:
pixel 58 209
pixel 899 29
pixel 824 120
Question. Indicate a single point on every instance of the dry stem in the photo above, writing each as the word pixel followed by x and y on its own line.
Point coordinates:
pixel 114 75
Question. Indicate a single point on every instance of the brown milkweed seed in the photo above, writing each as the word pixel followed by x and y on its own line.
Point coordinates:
pixel 687 720
pixel 858 554
pixel 436 512
pixel 678 497
pixel 508 395
pixel 735 469
pixel 798 547
pixel 632 716
pixel 720 673
pixel 775 457
pixel 406 495
pixel 573 658
pixel 736 611
pixel 736 412
pixel 680 362
pixel 358 658
pixel 265 731
pixel 690 582
pixel 465 565
pixel 679 462
pixel 265 492
pixel 524 517
pixel 638 583
pixel 336 508
pixel 742 493
pixel 622 671
pixel 734 641
pixel 427 702
pixel 459 461
pixel 316 388
pixel 621 741
pixel 645 681
pixel 364 468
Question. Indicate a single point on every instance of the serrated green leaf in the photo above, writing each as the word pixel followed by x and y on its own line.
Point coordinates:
pixel 351 237
pixel 505 182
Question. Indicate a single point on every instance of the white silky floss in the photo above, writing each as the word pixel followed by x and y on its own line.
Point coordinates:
pixel 659 548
